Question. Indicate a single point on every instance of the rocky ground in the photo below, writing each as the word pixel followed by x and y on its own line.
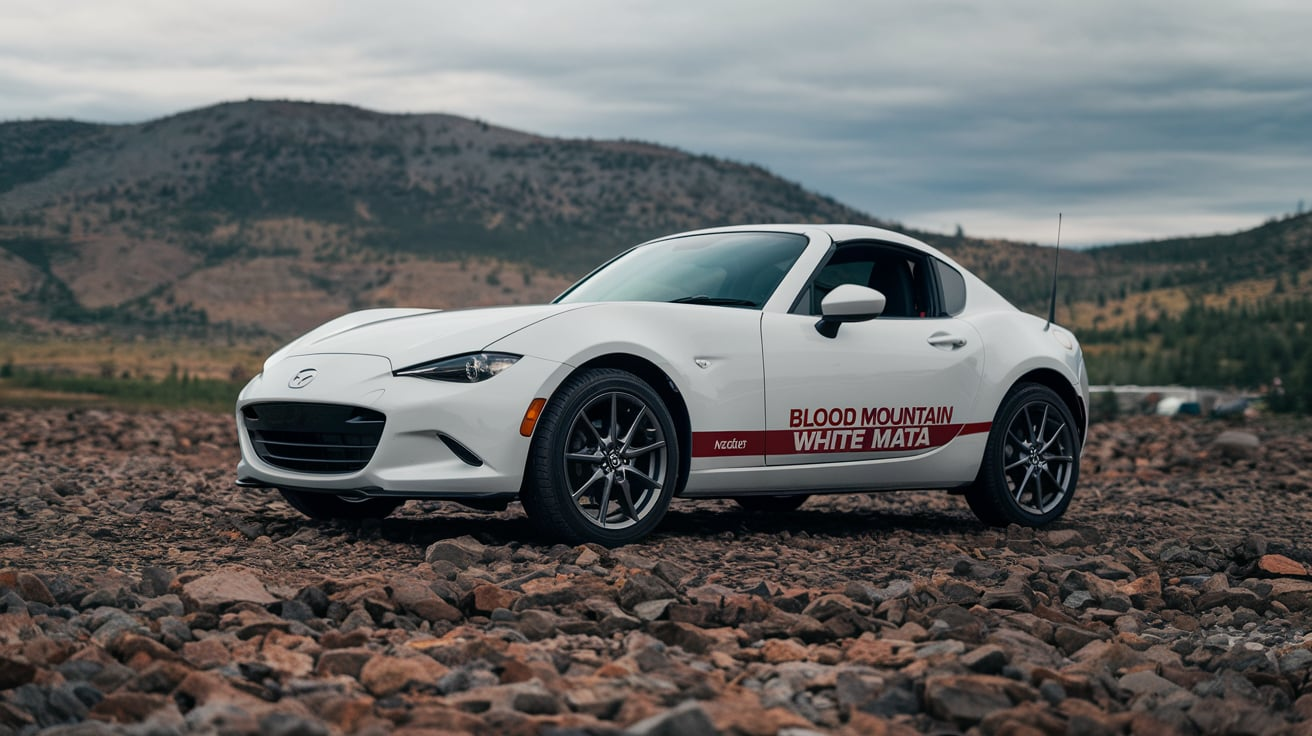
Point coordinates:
pixel 141 592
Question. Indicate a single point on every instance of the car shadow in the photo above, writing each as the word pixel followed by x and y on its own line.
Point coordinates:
pixel 422 524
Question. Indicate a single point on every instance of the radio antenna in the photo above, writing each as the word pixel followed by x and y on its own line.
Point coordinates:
pixel 1056 259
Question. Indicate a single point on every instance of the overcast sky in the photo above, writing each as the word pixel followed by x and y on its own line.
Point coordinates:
pixel 1136 119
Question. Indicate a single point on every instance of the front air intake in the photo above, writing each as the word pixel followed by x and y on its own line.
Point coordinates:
pixel 313 438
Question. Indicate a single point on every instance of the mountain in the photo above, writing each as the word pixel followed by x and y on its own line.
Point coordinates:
pixel 274 215
pixel 263 218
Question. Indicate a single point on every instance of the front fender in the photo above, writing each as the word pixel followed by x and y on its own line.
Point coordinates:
pixel 712 354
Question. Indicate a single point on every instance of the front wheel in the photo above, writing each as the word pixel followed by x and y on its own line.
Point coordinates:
pixel 1031 460
pixel 604 460
pixel 329 506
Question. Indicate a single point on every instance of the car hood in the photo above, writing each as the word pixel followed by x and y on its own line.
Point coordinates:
pixel 410 336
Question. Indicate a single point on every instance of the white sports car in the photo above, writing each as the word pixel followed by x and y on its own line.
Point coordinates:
pixel 762 363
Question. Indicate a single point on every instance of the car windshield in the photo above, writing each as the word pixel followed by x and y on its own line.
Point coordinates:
pixel 723 269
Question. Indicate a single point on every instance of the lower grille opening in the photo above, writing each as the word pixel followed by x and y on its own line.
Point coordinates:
pixel 313 438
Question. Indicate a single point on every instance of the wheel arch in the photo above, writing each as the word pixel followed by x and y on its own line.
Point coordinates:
pixel 665 387
pixel 1063 388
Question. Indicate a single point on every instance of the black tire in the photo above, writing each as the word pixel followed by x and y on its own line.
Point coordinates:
pixel 329 506
pixel 772 504
pixel 1031 461
pixel 604 460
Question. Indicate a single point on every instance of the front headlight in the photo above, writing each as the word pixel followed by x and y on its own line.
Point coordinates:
pixel 470 368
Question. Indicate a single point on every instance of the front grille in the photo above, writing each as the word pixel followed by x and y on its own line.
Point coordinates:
pixel 313 438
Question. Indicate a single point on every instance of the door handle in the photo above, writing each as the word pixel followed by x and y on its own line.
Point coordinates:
pixel 946 340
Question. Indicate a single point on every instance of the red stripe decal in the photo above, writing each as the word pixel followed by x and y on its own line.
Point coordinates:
pixel 727 444
pixel 830 440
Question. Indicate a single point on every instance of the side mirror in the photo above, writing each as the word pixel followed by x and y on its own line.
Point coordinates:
pixel 848 303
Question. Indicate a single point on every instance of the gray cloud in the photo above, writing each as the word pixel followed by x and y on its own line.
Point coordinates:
pixel 1137 120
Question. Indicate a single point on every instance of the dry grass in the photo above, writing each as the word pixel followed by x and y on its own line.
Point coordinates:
pixel 1174 301
pixel 110 358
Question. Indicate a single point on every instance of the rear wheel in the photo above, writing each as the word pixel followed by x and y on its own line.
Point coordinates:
pixel 330 506
pixel 772 504
pixel 1031 461
pixel 604 460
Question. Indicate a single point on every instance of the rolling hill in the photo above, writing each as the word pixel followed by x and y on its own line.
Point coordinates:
pixel 257 219
pixel 273 215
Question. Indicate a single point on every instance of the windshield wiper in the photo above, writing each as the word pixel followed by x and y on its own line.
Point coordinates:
pixel 718 301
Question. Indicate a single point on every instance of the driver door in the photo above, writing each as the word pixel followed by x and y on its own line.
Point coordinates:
pixel 896 386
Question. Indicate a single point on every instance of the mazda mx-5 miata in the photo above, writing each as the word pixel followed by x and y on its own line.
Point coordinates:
pixel 763 364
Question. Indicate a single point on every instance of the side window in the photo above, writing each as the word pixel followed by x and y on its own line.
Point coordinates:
pixel 900 275
pixel 837 273
pixel 954 288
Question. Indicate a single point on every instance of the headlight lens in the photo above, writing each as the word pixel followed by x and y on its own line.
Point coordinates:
pixel 470 368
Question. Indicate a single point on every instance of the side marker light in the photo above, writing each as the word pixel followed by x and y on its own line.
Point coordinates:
pixel 531 417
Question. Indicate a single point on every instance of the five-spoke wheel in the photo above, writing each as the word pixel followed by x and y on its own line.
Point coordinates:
pixel 1031 461
pixel 604 460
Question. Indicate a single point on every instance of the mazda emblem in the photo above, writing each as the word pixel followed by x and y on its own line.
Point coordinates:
pixel 302 378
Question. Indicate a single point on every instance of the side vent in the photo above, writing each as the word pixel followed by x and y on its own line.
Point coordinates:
pixel 465 454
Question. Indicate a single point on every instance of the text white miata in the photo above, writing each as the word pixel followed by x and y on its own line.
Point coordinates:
pixel 762 363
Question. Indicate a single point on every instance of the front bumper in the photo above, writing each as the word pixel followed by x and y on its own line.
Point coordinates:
pixel 439 440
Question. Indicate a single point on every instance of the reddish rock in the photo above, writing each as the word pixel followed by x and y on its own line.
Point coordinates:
pixel 220 589
pixel 334 639
pixel 286 663
pixel 740 608
pixel 1296 595
pixel 1084 717
pixel 558 591
pixel 384 675
pixel 417 598
pixel 741 713
pixel 642 587
pixel 602 700
pixel 348 713
pixel 128 645
pixel 688 637
pixel 488 598
pixel 33 589
pixel 462 551
pixel 880 653
pixel 867 724
pixel 775 651
pixel 587 557
pixel 703 614
pixel 1281 566
pixel 1023 720
pixel 343 662
pixel 1144 592
pixel 206 654
pixel 1015 594
pixel 825 607
pixel 129 707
